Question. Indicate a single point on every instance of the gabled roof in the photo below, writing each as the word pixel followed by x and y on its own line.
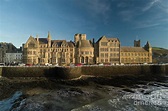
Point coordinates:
pixel 114 39
pixel 132 49
pixel 100 38
pixel 111 38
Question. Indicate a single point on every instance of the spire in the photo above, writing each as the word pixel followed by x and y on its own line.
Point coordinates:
pixel 148 44
pixel 37 38
pixel 49 35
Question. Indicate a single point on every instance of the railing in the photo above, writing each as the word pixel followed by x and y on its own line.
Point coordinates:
pixel 87 65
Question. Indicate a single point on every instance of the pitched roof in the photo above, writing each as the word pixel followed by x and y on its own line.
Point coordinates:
pixel 112 38
pixel 43 40
pixel 71 44
pixel 132 49
pixel 84 43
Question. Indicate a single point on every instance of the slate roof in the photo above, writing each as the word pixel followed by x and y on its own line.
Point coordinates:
pixel 43 40
pixel 132 49
pixel 84 43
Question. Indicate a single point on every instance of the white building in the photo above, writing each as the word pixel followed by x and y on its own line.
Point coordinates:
pixel 13 57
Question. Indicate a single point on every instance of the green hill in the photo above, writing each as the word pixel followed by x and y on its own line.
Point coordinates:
pixel 160 55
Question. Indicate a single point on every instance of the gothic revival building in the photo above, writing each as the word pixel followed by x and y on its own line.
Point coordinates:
pixel 84 50
pixel 136 54
pixel 44 50
pixel 105 50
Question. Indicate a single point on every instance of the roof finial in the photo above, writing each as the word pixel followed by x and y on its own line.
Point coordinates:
pixel 49 35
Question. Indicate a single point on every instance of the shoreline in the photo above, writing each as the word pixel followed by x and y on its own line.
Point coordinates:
pixel 8 86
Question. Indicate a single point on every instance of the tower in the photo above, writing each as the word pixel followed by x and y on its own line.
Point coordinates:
pixel 76 38
pixel 148 47
pixel 49 39
pixel 137 43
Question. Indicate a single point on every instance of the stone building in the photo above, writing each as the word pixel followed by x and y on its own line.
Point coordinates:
pixel 136 54
pixel 44 50
pixel 84 50
pixel 107 50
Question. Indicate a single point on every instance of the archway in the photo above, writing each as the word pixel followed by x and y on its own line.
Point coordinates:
pixel 87 60
pixel 82 60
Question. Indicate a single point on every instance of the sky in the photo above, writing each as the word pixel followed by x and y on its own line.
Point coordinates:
pixel 127 20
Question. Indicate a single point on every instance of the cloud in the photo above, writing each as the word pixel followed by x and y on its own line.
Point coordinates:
pixel 150 5
pixel 163 4
pixel 146 25
pixel 96 7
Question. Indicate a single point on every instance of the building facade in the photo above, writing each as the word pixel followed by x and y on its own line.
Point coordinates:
pixel 13 57
pixel 106 50
pixel 136 54
pixel 44 50
pixel 8 50
pixel 84 50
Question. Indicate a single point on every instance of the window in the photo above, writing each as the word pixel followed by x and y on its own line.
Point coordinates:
pixel 31 45
pixel 101 49
pixel 102 54
pixel 106 54
pixel 87 52
pixel 103 43
pixel 111 55
pixel 111 44
pixel 105 49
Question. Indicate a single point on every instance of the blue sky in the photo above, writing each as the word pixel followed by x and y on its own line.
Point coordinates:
pixel 128 20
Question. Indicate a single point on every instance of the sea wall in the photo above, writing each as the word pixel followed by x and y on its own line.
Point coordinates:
pixel 73 72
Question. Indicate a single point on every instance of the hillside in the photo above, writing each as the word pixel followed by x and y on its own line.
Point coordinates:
pixel 160 55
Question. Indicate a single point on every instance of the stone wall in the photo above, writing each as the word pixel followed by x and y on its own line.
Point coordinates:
pixel 67 73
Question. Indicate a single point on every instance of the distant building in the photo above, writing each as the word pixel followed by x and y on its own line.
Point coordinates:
pixel 7 48
pixel 106 50
pixel 13 57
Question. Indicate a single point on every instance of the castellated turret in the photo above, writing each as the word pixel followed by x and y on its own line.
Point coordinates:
pixel 137 43
pixel 79 37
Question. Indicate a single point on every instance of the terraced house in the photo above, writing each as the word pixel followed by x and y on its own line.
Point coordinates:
pixel 105 50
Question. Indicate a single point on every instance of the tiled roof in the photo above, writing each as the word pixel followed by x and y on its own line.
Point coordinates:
pixel 132 49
